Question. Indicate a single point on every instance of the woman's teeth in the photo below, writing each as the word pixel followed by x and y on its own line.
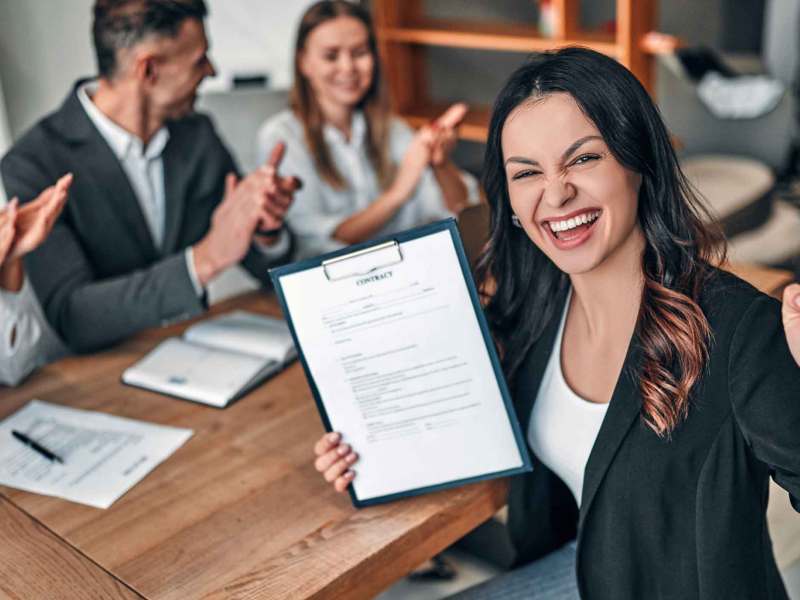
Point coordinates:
pixel 567 224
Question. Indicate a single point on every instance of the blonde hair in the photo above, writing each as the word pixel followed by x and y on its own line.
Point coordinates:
pixel 375 104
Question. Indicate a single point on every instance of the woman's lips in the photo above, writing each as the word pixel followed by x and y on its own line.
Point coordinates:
pixel 572 238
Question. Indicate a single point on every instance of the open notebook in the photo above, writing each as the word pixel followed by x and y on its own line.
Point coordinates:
pixel 216 361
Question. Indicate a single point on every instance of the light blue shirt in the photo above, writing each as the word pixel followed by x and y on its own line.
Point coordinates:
pixel 318 208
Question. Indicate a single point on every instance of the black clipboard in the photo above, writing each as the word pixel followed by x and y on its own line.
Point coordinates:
pixel 389 249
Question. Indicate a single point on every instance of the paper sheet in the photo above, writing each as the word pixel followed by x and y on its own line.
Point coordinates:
pixel 399 360
pixel 104 456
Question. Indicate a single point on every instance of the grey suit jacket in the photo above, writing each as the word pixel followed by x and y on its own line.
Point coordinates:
pixel 99 276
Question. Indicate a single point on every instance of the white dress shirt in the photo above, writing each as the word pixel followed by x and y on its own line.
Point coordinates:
pixel 318 208
pixel 26 340
pixel 144 167
pixel 563 426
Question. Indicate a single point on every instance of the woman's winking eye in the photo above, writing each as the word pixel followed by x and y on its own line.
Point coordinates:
pixel 585 158
pixel 525 173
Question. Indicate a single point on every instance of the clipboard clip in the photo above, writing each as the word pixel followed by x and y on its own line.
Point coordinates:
pixel 363 262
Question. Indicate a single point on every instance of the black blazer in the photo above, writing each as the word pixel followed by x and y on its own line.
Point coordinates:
pixel 686 518
pixel 99 275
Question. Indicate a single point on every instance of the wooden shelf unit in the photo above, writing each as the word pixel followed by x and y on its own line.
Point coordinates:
pixel 404 33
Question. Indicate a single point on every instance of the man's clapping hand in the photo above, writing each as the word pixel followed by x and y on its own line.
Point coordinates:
pixel 252 209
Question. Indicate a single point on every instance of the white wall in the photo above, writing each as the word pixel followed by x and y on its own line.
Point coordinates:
pixel 44 47
pixel 255 36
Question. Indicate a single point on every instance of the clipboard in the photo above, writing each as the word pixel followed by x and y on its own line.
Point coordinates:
pixel 369 262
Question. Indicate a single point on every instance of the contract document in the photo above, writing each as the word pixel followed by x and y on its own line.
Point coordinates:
pixel 400 361
pixel 103 455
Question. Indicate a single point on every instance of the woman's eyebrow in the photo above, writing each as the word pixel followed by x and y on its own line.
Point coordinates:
pixel 521 159
pixel 577 144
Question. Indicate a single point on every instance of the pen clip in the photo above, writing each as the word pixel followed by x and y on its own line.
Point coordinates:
pixel 363 262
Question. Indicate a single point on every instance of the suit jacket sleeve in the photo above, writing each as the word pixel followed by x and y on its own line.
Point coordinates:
pixel 765 390
pixel 87 312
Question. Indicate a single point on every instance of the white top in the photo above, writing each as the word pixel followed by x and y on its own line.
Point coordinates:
pixel 563 426
pixel 318 208
pixel 26 341
pixel 144 167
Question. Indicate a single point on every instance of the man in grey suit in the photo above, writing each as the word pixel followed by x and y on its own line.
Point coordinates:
pixel 156 209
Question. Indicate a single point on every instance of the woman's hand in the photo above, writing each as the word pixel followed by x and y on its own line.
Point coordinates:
pixel 791 319
pixel 444 141
pixel 34 220
pixel 335 460
pixel 23 229
pixel 8 225
pixel 445 130
pixel 415 161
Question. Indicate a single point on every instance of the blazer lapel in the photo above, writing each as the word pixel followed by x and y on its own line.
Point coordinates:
pixel 623 410
pixel 105 171
pixel 175 182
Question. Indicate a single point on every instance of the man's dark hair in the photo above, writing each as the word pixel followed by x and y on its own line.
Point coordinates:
pixel 122 24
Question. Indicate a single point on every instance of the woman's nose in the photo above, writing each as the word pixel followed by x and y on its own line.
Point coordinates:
pixel 558 192
pixel 346 62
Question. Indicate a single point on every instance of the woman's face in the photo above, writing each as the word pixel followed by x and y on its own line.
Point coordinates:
pixel 338 63
pixel 575 201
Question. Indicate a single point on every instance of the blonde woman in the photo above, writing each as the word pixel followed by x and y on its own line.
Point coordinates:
pixel 365 173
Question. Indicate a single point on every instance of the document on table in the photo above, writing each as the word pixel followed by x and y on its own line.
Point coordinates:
pixel 104 456
pixel 399 357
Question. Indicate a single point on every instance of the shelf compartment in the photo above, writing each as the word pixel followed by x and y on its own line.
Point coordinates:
pixel 492 36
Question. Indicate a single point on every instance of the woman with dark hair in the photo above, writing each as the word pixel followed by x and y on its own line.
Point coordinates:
pixel 365 173
pixel 657 392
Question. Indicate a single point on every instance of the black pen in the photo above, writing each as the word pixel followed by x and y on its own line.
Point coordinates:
pixel 48 454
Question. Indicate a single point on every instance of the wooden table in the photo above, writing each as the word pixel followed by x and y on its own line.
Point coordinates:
pixel 35 563
pixel 237 512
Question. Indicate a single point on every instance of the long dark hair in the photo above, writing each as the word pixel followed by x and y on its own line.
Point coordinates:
pixel 673 332
pixel 375 103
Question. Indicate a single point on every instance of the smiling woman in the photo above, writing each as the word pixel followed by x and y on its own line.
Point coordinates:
pixel 366 173
pixel 593 192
